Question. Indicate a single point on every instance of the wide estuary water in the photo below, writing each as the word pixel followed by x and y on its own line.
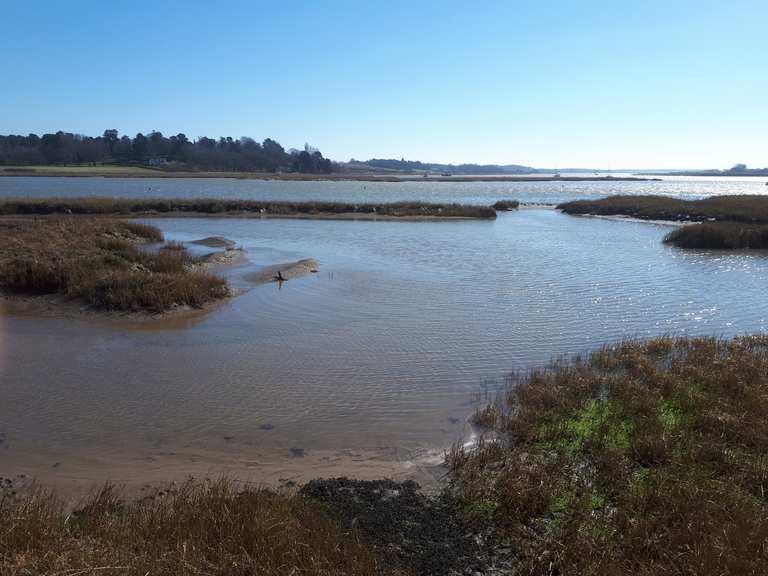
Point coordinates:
pixel 369 367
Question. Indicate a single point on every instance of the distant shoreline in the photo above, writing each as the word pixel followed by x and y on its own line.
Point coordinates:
pixel 138 172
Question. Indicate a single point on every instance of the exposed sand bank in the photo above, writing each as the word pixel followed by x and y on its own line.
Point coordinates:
pixel 215 242
pixel 75 474
pixel 287 270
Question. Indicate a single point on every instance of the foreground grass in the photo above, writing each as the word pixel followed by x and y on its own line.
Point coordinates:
pixel 644 458
pixel 720 236
pixel 197 528
pixel 751 209
pixel 149 207
pixel 98 262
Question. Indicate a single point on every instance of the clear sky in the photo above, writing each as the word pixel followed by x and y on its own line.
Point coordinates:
pixel 611 84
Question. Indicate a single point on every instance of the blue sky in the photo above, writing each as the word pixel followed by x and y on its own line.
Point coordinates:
pixel 552 84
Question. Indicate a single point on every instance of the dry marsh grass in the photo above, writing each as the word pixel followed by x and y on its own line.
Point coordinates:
pixel 744 208
pixel 149 207
pixel 98 262
pixel 196 528
pixel 720 236
pixel 506 205
pixel 646 458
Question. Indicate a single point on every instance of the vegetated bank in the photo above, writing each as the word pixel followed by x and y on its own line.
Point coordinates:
pixel 642 458
pixel 748 208
pixel 723 222
pixel 217 207
pixel 720 236
pixel 97 262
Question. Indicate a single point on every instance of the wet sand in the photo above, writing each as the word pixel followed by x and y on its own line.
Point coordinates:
pixel 77 472
pixel 287 271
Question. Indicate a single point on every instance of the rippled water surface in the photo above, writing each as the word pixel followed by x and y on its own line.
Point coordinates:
pixel 387 349
pixel 404 324
pixel 462 192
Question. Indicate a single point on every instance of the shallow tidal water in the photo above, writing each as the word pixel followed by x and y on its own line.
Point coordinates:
pixel 482 193
pixel 369 367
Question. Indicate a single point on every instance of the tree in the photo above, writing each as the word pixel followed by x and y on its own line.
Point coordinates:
pixel 110 139
pixel 140 147
pixel 226 153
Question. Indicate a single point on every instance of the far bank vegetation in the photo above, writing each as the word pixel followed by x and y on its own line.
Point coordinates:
pixel 166 207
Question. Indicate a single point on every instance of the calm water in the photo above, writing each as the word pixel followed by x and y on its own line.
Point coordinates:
pixel 385 349
pixel 484 193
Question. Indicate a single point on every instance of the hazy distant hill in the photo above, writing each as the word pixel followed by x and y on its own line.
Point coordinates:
pixel 737 170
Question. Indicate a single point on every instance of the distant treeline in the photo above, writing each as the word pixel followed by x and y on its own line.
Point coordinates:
pixel 416 166
pixel 154 149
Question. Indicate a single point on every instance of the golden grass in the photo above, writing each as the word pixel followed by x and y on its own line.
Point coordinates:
pixel 97 261
pixel 196 528
pixel 645 458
